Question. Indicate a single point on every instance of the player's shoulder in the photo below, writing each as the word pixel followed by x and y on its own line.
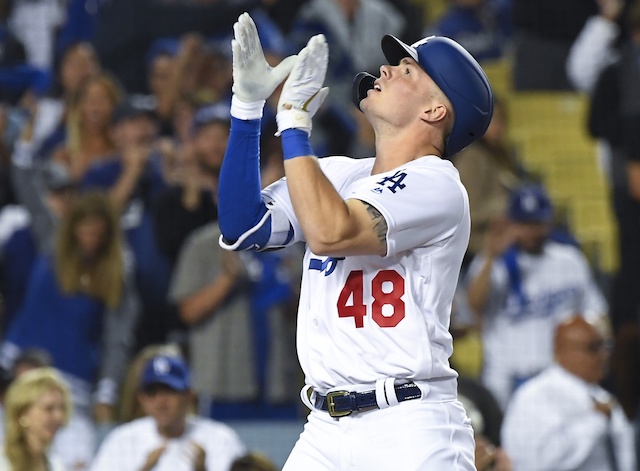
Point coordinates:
pixel 342 171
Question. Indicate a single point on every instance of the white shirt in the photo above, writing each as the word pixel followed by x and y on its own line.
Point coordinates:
pixel 551 425
pixel 365 318
pixel 518 330
pixel 591 52
pixel 127 446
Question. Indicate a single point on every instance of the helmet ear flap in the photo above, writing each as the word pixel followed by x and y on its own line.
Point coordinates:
pixel 362 83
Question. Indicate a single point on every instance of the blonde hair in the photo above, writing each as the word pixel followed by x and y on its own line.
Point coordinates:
pixel 105 273
pixel 21 395
pixel 75 128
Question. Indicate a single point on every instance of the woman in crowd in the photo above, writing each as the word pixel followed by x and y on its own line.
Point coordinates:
pixel 83 302
pixel 88 135
pixel 37 405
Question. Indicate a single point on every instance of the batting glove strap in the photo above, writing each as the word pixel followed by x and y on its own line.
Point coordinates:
pixel 246 110
pixel 293 119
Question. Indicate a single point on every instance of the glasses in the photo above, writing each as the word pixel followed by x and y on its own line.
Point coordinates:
pixel 595 346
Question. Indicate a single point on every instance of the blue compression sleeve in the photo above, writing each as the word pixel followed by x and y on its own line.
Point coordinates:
pixel 240 204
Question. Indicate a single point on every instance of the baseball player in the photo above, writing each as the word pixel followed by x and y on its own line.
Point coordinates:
pixel 384 236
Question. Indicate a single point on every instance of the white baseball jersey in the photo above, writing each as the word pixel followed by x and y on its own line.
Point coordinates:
pixel 365 318
pixel 551 424
pixel 126 448
pixel 518 325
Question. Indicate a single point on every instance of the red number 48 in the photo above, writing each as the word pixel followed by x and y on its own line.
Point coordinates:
pixel 354 289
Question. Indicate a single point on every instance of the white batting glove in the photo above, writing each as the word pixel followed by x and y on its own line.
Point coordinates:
pixel 303 93
pixel 254 80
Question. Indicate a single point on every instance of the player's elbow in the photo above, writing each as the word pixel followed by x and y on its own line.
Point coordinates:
pixel 318 243
pixel 189 312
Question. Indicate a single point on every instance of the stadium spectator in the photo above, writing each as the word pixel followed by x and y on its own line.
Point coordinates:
pixel 544 31
pixel 76 64
pixel 482 27
pixel 139 23
pixel 616 126
pixel 88 136
pixel 37 405
pixel 81 307
pixel 596 45
pixel 521 286
pixel 132 176
pixel 182 208
pixel 240 312
pixel 46 191
pixel 489 170
pixel 35 23
pixel 12 51
pixel 73 444
pixel 169 438
pixel 562 419
pixel 130 408
pixel 486 419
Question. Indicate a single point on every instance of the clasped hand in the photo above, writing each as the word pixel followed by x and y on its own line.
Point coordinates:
pixel 255 80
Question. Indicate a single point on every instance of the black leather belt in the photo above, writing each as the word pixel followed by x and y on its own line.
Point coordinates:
pixel 343 403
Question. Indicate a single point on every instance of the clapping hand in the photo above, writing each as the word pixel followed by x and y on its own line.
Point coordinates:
pixel 303 92
pixel 253 78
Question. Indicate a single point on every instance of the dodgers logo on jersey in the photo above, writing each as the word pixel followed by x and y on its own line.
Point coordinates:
pixel 394 182
pixel 327 266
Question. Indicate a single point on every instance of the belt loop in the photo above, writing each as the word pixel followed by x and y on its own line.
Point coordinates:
pixel 380 396
pixel 390 391
pixel 305 396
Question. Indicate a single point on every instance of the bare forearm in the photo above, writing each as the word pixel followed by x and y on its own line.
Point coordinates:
pixel 324 216
pixel 633 175
pixel 199 305
pixel 122 190
pixel 479 287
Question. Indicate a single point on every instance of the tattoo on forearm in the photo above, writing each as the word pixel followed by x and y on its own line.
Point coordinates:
pixel 379 223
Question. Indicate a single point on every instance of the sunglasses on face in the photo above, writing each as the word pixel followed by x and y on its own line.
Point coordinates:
pixel 596 346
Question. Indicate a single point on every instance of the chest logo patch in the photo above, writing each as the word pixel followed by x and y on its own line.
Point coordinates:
pixel 327 265
pixel 394 182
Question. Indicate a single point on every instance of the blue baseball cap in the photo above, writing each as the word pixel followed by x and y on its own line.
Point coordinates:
pixel 167 370
pixel 214 113
pixel 530 203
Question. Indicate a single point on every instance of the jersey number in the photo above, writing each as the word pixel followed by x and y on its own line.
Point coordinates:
pixel 382 296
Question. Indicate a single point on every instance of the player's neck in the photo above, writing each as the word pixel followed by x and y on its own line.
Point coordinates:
pixel 394 151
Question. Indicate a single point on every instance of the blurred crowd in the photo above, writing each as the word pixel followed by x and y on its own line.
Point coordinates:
pixel 127 333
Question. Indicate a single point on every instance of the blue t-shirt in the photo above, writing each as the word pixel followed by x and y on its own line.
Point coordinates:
pixel 68 326
pixel 18 257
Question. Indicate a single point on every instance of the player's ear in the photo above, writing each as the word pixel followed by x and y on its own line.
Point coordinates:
pixel 434 112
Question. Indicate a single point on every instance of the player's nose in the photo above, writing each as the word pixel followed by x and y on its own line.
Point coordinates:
pixel 385 71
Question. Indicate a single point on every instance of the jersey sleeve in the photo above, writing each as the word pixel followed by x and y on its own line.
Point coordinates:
pixel 285 229
pixel 422 206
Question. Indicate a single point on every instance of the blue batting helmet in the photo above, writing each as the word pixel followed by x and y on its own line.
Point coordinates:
pixel 458 75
